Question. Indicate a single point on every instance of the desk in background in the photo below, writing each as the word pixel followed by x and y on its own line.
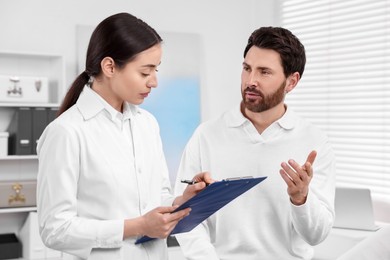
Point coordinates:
pixel 341 240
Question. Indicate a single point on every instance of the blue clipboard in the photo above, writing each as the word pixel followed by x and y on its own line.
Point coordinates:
pixel 208 201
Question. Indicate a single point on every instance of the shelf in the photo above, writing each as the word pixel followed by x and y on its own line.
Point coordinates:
pixel 50 66
pixel 17 209
pixel 28 67
pixel 55 105
pixel 19 157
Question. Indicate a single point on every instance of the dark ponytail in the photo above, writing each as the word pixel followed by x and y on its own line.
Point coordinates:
pixel 74 92
pixel 121 36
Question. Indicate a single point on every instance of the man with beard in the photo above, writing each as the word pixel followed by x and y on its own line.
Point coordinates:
pixel 293 209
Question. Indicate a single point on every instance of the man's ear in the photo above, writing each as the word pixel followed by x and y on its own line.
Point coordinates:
pixel 108 66
pixel 292 81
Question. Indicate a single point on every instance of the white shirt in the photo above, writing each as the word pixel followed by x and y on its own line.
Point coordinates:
pixel 95 171
pixel 262 223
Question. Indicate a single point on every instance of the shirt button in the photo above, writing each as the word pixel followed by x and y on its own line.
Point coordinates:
pixel 139 170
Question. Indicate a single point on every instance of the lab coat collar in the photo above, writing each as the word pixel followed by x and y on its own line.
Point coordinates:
pixel 90 104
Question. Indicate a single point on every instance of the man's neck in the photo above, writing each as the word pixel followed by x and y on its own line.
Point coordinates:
pixel 262 120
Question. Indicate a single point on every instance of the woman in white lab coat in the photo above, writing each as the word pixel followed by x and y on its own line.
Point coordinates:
pixel 103 180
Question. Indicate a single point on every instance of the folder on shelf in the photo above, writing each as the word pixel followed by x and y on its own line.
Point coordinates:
pixel 41 118
pixel 20 134
pixel 39 122
pixel 51 114
pixel 208 201
pixel 26 127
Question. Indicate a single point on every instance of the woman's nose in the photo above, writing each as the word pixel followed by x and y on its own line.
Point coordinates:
pixel 152 82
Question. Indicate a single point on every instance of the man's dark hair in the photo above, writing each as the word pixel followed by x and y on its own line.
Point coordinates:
pixel 281 40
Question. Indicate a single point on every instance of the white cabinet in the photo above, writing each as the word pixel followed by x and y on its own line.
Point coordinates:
pixel 50 67
pixel 46 66
pixel 50 71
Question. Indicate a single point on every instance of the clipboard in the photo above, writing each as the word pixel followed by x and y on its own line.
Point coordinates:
pixel 208 201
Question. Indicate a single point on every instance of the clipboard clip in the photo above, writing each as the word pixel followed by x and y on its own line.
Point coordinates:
pixel 238 178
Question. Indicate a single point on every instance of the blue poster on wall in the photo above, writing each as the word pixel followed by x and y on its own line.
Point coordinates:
pixel 176 101
pixel 175 104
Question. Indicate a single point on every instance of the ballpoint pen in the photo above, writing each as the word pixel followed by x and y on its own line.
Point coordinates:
pixel 189 182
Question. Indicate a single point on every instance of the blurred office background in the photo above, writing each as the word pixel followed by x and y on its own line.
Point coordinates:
pixel 345 89
pixel 203 41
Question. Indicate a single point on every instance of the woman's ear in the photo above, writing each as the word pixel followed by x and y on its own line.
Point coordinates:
pixel 292 81
pixel 108 66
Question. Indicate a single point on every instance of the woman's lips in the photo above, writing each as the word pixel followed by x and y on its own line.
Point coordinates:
pixel 144 95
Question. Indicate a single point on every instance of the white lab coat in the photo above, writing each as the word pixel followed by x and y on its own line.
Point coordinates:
pixel 91 178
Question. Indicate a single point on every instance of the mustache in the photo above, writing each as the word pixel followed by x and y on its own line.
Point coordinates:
pixel 253 90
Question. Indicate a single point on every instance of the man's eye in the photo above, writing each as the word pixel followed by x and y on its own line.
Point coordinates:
pixel 246 68
pixel 145 74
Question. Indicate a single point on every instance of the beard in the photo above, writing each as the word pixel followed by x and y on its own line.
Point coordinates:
pixel 264 103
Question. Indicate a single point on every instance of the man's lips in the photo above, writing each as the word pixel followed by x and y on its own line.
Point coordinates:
pixel 144 95
pixel 251 94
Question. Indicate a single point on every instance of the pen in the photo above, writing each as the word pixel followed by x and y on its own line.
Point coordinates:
pixel 189 182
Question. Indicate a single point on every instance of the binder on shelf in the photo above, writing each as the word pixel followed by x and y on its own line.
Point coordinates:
pixel 26 127
pixel 20 134
pixel 51 114
pixel 39 122
pixel 208 201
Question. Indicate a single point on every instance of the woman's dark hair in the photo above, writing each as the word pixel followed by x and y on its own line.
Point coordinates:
pixel 281 40
pixel 121 36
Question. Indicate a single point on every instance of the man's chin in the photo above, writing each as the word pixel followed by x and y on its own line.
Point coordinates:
pixel 253 107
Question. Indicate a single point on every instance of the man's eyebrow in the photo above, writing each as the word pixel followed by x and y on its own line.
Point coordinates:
pixel 259 67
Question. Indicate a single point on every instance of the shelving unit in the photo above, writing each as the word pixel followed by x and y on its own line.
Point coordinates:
pixel 29 65
pixel 18 157
pixel 25 167
pixel 17 209
pixel 28 105
pixel 33 65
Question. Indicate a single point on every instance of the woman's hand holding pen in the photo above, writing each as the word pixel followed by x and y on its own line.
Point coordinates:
pixel 197 184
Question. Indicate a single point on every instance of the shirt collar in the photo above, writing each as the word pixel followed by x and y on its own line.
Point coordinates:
pixel 288 120
pixel 235 118
pixel 91 103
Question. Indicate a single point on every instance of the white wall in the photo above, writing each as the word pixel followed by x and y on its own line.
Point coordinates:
pixel 47 26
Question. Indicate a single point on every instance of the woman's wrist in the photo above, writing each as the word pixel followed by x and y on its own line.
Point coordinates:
pixel 133 227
